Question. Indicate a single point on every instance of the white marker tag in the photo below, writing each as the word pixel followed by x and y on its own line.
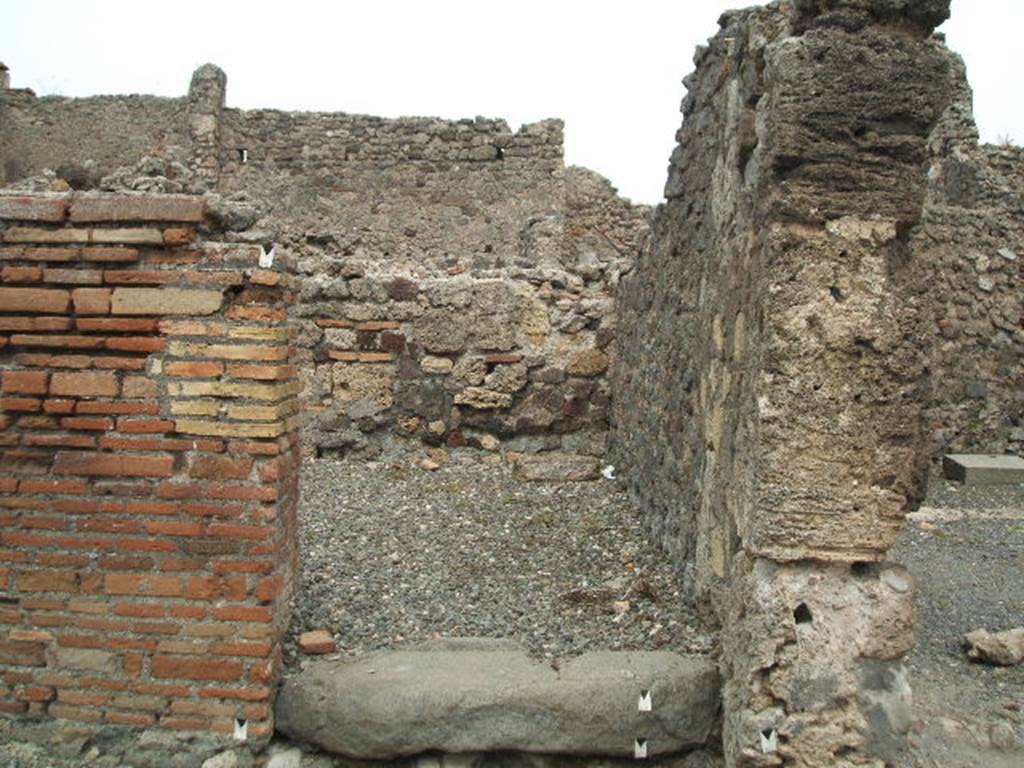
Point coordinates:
pixel 640 749
pixel 644 705
pixel 769 741
pixel 267 258
pixel 241 729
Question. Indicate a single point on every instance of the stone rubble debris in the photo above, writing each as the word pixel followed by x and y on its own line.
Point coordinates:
pixel 1003 649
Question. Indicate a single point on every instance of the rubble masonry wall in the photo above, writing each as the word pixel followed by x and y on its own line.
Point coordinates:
pixel 772 379
pixel 458 278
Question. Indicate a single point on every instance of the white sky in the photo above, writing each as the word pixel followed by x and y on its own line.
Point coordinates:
pixel 612 70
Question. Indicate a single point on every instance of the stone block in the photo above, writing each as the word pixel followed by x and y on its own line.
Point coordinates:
pixel 483 399
pixel 481 699
pixel 128 236
pixel 121 208
pixel 38 235
pixel 983 469
pixel 87 660
pixel 246 389
pixel 229 429
pixel 165 301
pixel 51 209
pixel 436 365
pixel 73 276
pixel 588 363
pixel 556 467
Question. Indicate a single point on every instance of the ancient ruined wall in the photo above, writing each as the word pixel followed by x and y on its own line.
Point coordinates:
pixel 458 279
pixel 111 131
pixel 502 346
pixel 973 236
pixel 148 466
pixel 772 379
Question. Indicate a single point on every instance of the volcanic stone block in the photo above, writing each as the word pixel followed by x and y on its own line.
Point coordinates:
pixel 477 698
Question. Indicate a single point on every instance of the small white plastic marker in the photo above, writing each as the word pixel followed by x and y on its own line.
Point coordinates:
pixel 640 749
pixel 608 473
pixel 769 741
pixel 644 705
pixel 266 256
pixel 241 729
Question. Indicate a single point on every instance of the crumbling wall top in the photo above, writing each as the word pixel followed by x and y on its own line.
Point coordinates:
pixel 852 15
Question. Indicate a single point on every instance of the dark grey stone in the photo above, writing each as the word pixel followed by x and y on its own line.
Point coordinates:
pixel 396 703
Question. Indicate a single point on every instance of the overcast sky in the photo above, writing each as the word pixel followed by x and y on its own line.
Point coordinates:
pixel 612 70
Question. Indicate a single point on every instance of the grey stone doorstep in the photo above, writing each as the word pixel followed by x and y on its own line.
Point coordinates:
pixel 474 697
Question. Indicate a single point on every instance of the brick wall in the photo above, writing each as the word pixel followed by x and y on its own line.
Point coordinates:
pixel 148 465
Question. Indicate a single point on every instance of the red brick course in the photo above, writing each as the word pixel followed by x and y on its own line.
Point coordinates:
pixel 147 540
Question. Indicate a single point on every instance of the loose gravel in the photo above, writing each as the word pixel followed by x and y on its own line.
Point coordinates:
pixel 394 554
pixel 965 547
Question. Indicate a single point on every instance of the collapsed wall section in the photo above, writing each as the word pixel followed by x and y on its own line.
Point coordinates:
pixel 772 373
pixel 148 466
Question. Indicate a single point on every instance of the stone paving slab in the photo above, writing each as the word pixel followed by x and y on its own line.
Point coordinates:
pixel 983 469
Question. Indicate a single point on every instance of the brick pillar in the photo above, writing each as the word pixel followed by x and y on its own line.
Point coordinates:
pixel 148 466
pixel 206 95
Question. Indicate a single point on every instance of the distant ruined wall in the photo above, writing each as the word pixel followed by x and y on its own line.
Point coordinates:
pixel 459 279
pixel 112 131
pixel 973 237
pixel 772 383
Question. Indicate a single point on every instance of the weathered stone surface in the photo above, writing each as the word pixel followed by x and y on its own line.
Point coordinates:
pixel 119 208
pixel 1000 648
pixel 54 236
pixel 589 363
pixel 436 365
pixel 405 702
pixel 983 469
pixel 87 660
pixel 223 760
pixel 483 399
pixel 165 301
pixel 830 636
pixel 128 236
pixel 33 208
pixel 556 467
pixel 852 15
pixel 772 359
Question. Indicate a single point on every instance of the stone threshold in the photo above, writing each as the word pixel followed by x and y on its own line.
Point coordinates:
pixel 476 695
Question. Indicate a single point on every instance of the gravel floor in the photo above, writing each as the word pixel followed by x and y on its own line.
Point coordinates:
pixel 394 554
pixel 966 548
